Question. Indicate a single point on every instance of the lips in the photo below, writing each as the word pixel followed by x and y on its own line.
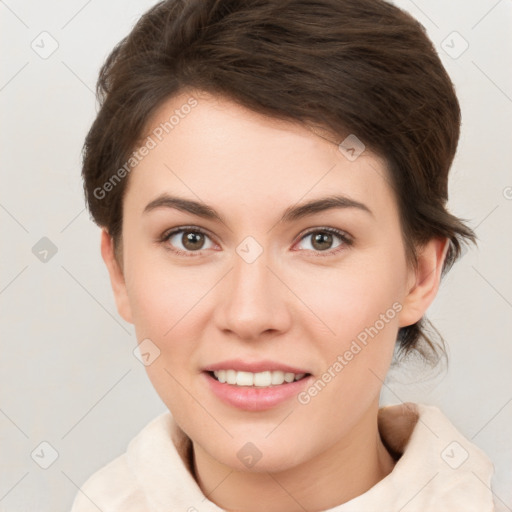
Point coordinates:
pixel 255 385
pixel 253 398
pixel 254 366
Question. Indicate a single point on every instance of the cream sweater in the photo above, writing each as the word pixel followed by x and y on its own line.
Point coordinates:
pixel 439 471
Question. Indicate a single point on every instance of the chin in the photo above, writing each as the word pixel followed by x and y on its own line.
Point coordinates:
pixel 263 456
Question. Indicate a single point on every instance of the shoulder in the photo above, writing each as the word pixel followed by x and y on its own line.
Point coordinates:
pixel 115 486
pixel 112 488
pixel 433 453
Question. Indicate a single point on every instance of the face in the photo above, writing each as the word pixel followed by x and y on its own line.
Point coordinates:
pixel 264 285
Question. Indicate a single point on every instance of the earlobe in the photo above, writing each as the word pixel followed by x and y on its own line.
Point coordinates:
pixel 117 279
pixel 426 279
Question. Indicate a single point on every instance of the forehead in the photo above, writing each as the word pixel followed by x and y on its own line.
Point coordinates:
pixel 210 149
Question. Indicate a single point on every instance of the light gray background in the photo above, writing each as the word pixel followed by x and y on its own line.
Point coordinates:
pixel 68 373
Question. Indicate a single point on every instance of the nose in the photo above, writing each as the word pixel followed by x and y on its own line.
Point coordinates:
pixel 254 303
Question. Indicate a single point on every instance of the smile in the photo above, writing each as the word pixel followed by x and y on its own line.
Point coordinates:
pixel 257 392
pixel 261 379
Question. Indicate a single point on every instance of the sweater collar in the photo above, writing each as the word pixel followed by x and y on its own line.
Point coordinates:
pixel 438 469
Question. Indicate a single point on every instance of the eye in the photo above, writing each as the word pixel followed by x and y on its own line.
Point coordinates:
pixel 186 240
pixel 323 239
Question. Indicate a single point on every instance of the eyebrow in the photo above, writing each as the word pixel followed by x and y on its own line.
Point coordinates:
pixel 290 214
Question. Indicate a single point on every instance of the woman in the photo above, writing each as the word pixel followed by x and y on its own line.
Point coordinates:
pixel 271 181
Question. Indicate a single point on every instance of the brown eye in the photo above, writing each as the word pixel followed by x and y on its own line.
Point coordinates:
pixel 322 241
pixel 192 240
pixel 187 241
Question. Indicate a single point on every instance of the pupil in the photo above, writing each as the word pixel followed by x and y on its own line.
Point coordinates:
pixel 191 239
pixel 322 238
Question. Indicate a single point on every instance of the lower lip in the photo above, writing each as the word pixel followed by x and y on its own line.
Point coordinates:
pixel 251 398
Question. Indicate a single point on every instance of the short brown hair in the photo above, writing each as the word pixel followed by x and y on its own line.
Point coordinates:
pixel 360 67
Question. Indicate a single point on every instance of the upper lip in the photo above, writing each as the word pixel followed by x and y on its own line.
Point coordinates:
pixel 253 366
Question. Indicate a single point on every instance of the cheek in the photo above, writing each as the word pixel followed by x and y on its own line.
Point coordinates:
pixel 353 297
pixel 163 302
pixel 161 295
pixel 359 307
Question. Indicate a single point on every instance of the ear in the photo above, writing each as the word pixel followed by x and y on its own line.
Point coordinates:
pixel 424 281
pixel 117 280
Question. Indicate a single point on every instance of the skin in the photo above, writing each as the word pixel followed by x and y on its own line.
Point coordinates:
pixel 293 304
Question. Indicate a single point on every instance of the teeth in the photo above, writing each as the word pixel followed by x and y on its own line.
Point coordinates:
pixel 231 376
pixel 263 379
pixel 289 377
pixel 244 379
pixel 260 379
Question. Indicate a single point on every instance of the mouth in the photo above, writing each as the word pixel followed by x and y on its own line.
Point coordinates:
pixel 257 391
pixel 264 379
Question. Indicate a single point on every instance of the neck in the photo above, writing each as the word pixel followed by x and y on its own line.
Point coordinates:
pixel 348 469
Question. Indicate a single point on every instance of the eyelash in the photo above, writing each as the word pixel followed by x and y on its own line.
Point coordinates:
pixel 344 237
